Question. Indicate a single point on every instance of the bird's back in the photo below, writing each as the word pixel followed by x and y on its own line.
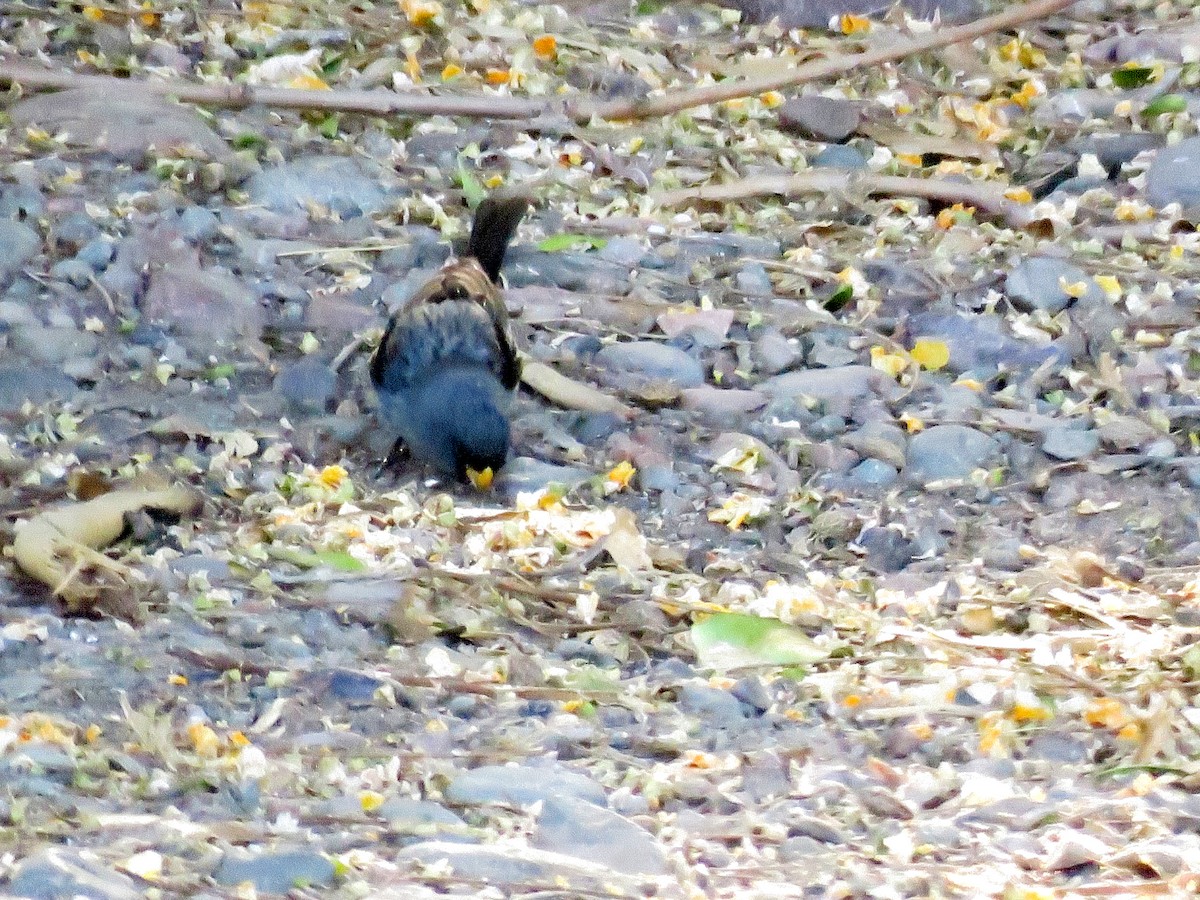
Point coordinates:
pixel 425 338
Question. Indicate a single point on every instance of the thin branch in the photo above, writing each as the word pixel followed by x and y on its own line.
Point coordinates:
pixel 236 96
pixel 889 51
pixel 986 197
pixel 490 106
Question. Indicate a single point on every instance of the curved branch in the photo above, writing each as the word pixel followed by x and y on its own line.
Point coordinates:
pixel 491 106
pixel 989 198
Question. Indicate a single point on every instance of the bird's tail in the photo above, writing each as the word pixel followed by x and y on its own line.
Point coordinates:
pixel 496 220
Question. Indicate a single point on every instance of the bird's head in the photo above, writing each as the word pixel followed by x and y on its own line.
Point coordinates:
pixel 479 439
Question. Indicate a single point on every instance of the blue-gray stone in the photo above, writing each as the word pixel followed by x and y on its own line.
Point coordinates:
pixel 599 835
pixel 1037 283
pixel 18 244
pixel 522 786
pixel 73 232
pixel 309 384
pixel 198 224
pixel 1171 177
pixel 18 201
pixel 73 271
pixel 874 472
pixel 839 156
pixel 276 873
pixel 949 451
pixel 1067 443
pixel 335 182
pixel 754 281
pixel 57 873
pixel 650 359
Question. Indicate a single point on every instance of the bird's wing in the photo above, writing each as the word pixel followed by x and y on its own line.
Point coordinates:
pixel 475 277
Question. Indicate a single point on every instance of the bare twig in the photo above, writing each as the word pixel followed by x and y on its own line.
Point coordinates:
pixel 236 96
pixel 888 51
pixel 986 197
pixel 491 106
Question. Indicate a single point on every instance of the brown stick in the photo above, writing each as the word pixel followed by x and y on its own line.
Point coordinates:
pixel 665 104
pixel 989 198
pixel 377 102
pixel 490 106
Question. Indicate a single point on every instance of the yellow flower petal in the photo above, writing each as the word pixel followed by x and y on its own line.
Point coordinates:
pixel 546 47
pixel 308 82
pixel 621 474
pixel 930 354
pixel 851 24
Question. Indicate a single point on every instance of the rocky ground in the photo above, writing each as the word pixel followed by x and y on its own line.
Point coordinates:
pixel 877 581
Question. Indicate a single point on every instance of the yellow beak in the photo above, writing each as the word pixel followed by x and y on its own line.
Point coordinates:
pixel 481 480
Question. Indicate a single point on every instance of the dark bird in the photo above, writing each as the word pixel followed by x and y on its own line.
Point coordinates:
pixel 446 369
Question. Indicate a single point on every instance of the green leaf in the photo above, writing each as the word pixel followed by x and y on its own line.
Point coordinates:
pixel 221 370
pixel 329 126
pixel 472 190
pixel 590 679
pixel 556 243
pixel 333 64
pixel 840 298
pixel 1122 771
pixel 736 640
pixel 248 139
pixel 1191 662
pixel 1167 103
pixel 1133 77
pixel 340 560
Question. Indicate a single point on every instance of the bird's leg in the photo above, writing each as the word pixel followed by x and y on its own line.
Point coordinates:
pixel 397 456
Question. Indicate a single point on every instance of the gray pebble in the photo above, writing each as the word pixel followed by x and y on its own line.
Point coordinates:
pixel 873 473
pixel 14 313
pixel 276 873
pixel 721 404
pixel 753 280
pixel 19 201
pixel 624 251
pixel 522 785
pixel 97 253
pixel 1171 177
pixel 18 244
pixel 35 384
pixel 309 384
pixel 198 224
pixel 525 474
pixel 887 549
pixel 717 707
pixel 949 451
pixel 53 345
pixel 880 440
pixel 1065 442
pixel 844 383
pixel 839 156
pixel 338 183
pixel 660 477
pixel 829 353
pixel 73 232
pixel 1114 150
pixel 581 829
pixel 773 352
pixel 405 814
pixel 57 872
pixel 571 271
pixel 827 426
pixel 1004 554
pixel 827 119
pixel 1162 450
pixel 1036 283
pixel 651 359
pixel 73 271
